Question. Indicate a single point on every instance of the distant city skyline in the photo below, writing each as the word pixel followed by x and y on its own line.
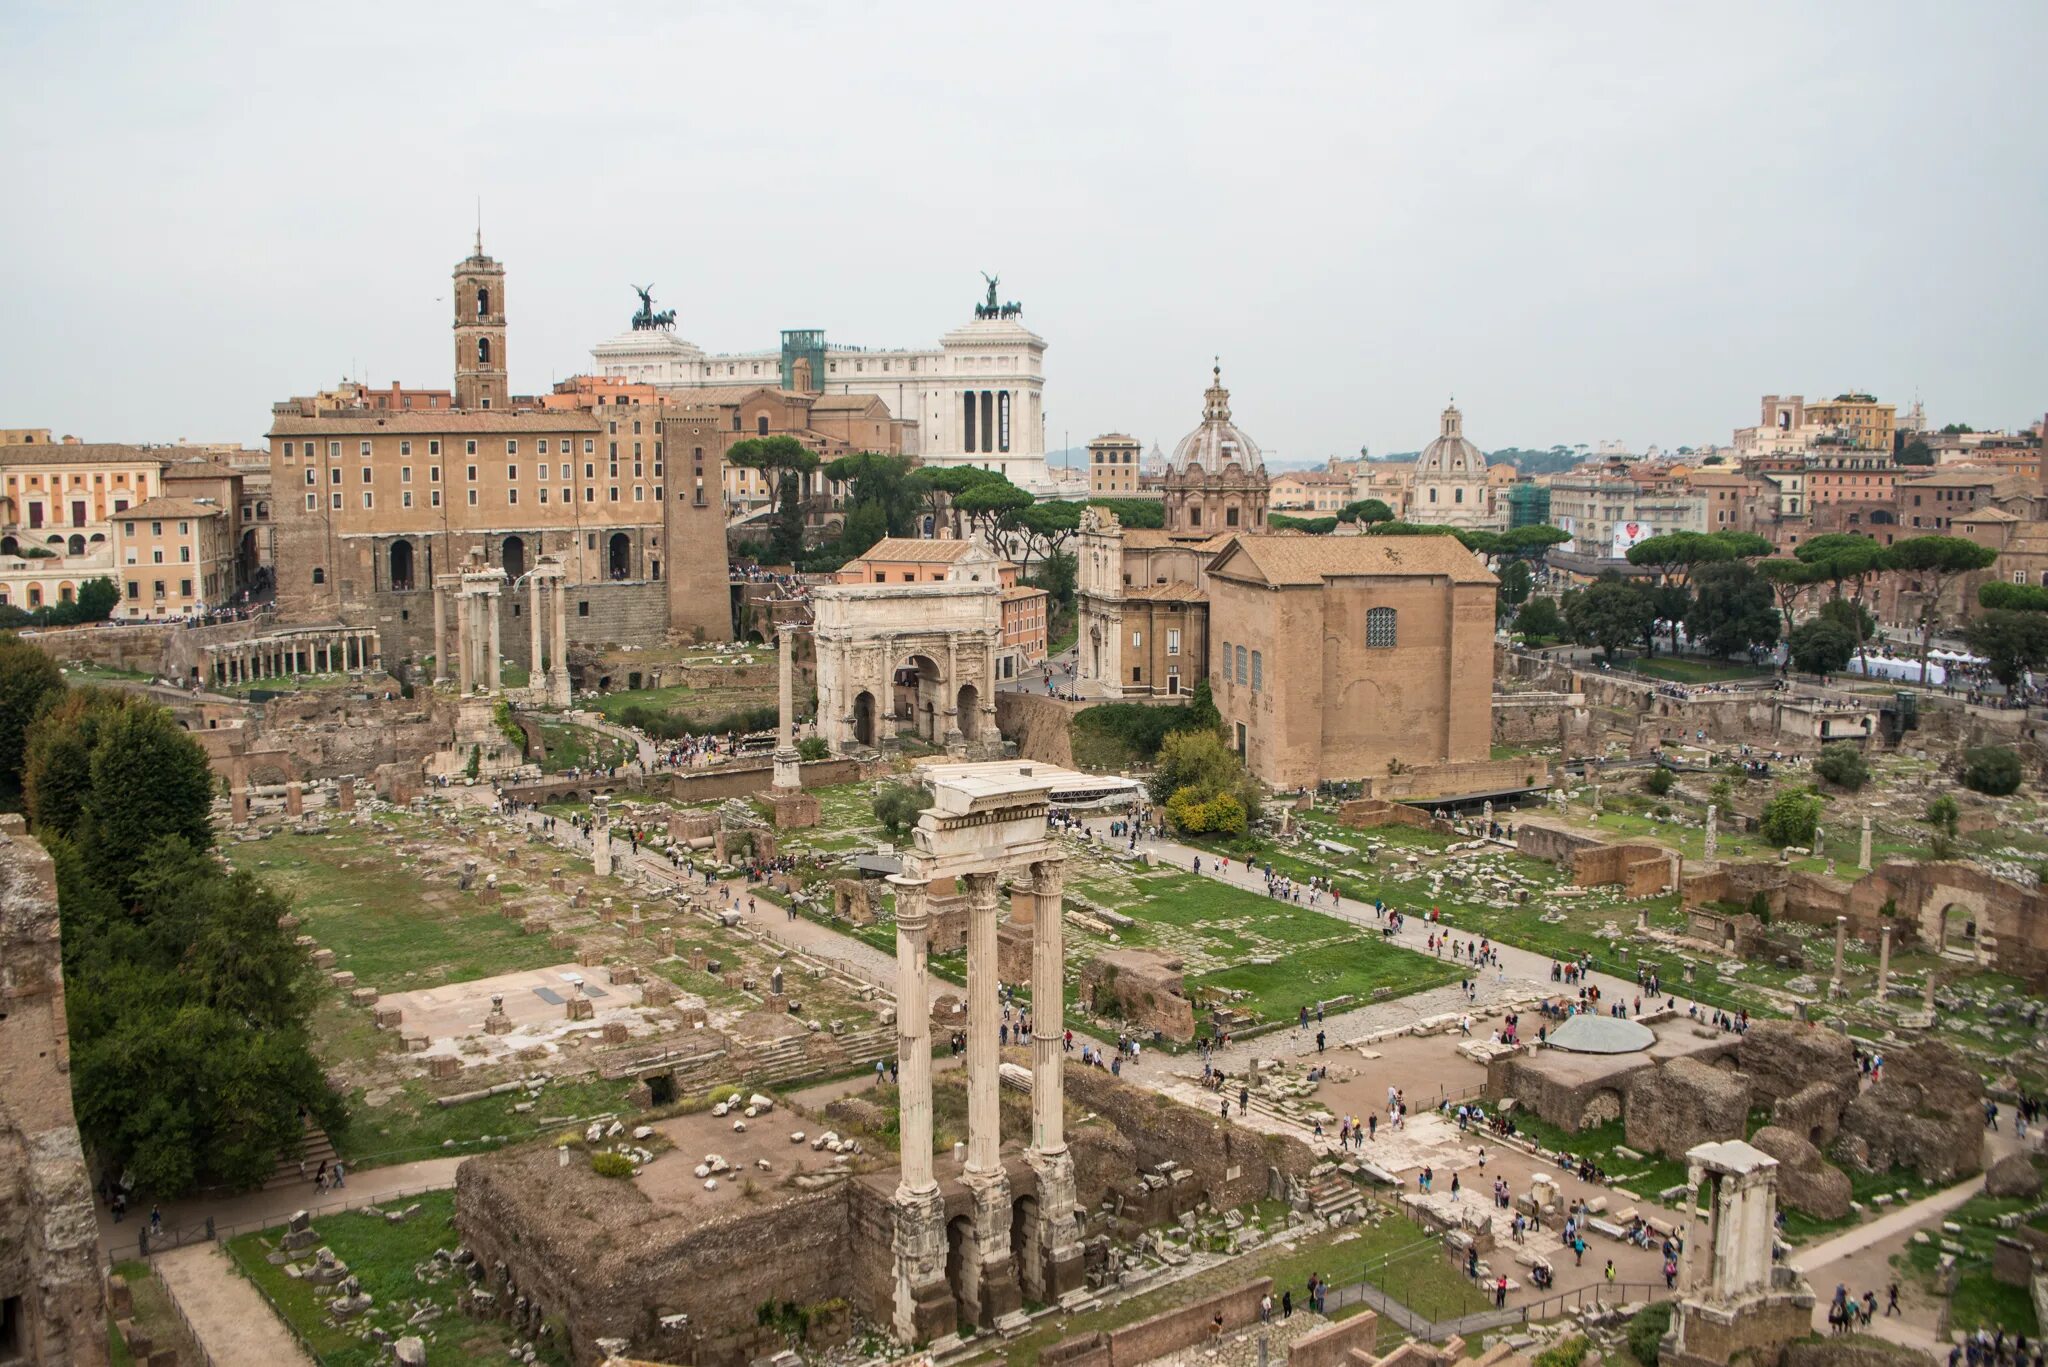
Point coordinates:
pixel 1626 227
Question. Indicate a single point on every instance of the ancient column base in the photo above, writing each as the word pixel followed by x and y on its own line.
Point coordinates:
pixel 558 686
pixel 792 809
pixel 1057 1241
pixel 924 1308
pixel 989 1276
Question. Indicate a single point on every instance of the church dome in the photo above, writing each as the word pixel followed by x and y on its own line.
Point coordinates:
pixel 1450 457
pixel 1218 443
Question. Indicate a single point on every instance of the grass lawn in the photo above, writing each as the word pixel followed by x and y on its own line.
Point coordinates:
pixel 1358 968
pixel 370 906
pixel 86 672
pixel 154 1315
pixel 1688 670
pixel 1644 1176
pixel 383 1257
pixel 578 747
pixel 1393 1254
pixel 409 1126
pixel 1979 1299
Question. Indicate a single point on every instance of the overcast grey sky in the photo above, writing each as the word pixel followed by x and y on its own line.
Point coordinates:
pixel 1586 221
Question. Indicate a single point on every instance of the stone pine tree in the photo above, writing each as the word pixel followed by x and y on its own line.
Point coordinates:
pixel 786 461
pixel 1931 564
pixel 29 683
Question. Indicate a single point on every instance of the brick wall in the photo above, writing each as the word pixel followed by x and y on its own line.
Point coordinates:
pixel 1331 1345
pixel 1230 1163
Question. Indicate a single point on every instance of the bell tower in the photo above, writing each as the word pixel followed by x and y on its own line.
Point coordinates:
pixel 480 331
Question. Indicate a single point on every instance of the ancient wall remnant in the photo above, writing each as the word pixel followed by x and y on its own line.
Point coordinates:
pixel 1142 987
pixel 1683 1104
pixel 52 1301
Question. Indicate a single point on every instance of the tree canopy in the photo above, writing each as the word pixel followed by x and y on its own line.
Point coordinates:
pixel 1935 561
pixel 1821 647
pixel 1610 613
pixel 2012 642
pixel 1732 609
pixel 188 1001
pixel 30 681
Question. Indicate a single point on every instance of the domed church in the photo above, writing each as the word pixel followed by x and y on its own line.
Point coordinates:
pixel 1450 488
pixel 1216 479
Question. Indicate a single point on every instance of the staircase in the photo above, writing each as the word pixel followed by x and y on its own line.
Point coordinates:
pixel 315 1148
pixel 790 1060
pixel 1332 1194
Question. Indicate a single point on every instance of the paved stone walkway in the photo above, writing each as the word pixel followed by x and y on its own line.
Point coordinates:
pixel 226 1313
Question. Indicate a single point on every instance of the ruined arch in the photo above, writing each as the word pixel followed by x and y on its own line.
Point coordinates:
pixel 401 565
pixel 512 556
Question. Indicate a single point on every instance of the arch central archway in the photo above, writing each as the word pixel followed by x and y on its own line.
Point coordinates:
pixel 968 712
pixel 917 690
pixel 864 718
pixel 513 557
pixel 619 556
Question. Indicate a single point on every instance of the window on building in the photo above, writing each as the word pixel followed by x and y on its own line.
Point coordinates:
pixel 1258 671
pixel 511 446
pixel 319 575
pixel 1380 628
pixel 1243 675
pixel 334 502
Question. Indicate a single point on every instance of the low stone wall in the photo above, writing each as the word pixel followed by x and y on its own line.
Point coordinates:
pixel 1458 780
pixel 1364 813
pixel 1230 1163
pixel 1333 1344
pixel 709 785
pixel 1641 869
pixel 1541 718
pixel 1168 1332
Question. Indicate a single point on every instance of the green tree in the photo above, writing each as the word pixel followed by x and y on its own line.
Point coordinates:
pixel 1539 620
pixel 1134 512
pixel 1516 582
pixel 97 598
pixel 1791 817
pixel 1610 613
pixel 894 485
pixel 1839 558
pixel 189 1007
pixel 866 524
pixel 1313 526
pixel 115 774
pixel 1732 609
pixel 1932 563
pixel 1057 574
pixel 1842 765
pixel 1790 580
pixel 896 806
pixel 1532 542
pixel 30 682
pixel 789 460
pixel 1916 452
pixel 1659 781
pixel 1045 528
pixel 1991 769
pixel 1851 615
pixel 1366 510
pixel 992 504
pixel 1821 647
pixel 1996 593
pixel 1670 604
pixel 2012 643
pixel 1410 529
pixel 1674 555
pixel 811 749
pixel 1944 815
pixel 1198 764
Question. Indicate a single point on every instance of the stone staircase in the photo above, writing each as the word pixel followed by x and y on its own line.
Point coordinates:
pixel 790 1060
pixel 1331 1195
pixel 315 1148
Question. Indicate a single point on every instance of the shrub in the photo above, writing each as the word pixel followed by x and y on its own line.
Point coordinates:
pixel 812 748
pixel 1221 814
pixel 1790 818
pixel 896 806
pixel 1843 766
pixel 674 725
pixel 1659 781
pixel 1943 814
pixel 1647 1329
pixel 1570 1353
pixel 611 1165
pixel 1991 769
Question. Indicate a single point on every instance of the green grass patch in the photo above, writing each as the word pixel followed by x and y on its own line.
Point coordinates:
pixel 1980 1299
pixel 383 1256
pixel 409 1126
pixel 385 924
pixel 1645 1176
pixel 1688 670
pixel 1357 968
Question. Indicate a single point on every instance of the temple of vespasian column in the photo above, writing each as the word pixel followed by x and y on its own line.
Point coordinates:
pixel 985 821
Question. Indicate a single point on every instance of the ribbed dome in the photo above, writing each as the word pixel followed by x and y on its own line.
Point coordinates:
pixel 1218 442
pixel 1450 457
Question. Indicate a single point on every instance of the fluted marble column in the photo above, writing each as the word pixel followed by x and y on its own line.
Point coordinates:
pixel 914 1034
pixel 493 681
pixel 1048 986
pixel 465 642
pixel 984 1021
pixel 533 666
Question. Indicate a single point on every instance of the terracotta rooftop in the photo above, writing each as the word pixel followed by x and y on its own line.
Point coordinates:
pixel 86 453
pixel 1297 560
pixel 917 551
pixel 445 422
pixel 169 507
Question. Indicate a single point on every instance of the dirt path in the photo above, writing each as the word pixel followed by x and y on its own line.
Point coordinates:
pixel 228 1315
